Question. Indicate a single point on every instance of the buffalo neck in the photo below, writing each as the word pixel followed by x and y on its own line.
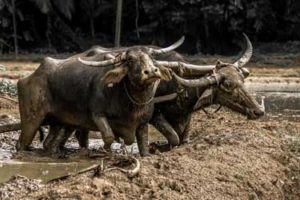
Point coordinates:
pixel 139 95
pixel 206 100
pixel 195 94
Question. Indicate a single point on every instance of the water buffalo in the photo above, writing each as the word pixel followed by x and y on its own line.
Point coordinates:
pixel 114 98
pixel 224 86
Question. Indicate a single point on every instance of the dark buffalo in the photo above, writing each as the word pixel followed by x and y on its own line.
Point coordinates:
pixel 224 86
pixel 113 98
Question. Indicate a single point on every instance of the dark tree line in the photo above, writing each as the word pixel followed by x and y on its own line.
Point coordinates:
pixel 210 26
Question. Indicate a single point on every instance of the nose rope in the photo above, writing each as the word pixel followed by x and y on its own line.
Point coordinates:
pixel 215 111
pixel 131 98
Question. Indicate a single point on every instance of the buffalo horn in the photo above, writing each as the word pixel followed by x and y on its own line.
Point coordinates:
pixel 201 82
pixel 246 56
pixel 104 63
pixel 245 72
pixel 174 64
pixel 167 49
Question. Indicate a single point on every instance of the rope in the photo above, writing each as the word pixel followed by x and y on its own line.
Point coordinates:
pixel 141 103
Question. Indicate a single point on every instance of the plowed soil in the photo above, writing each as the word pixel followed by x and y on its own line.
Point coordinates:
pixel 229 157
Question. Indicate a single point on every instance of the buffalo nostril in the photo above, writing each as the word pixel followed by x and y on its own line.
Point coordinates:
pixel 146 72
pixel 155 70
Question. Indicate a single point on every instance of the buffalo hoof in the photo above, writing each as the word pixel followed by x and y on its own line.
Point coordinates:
pixel 145 154
pixel 160 146
pixel 185 141
pixel 55 153
pixel 108 140
pixel 20 147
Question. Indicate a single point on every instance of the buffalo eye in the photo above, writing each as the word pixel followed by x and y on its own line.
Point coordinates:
pixel 228 86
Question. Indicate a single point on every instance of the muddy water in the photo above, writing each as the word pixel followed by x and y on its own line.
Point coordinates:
pixel 35 165
pixel 44 171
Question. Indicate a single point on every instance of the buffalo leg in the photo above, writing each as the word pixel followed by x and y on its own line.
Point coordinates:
pixel 184 137
pixel 55 144
pixel 60 137
pixel 105 129
pixel 163 126
pixel 33 109
pixel 29 129
pixel 181 126
pixel 42 133
pixel 53 131
pixel 142 139
pixel 82 136
pixel 65 137
pixel 53 140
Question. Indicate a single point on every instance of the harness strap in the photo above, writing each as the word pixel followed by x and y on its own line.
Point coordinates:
pixel 163 98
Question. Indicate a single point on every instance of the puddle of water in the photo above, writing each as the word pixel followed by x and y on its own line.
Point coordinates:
pixel 39 170
pixel 38 167
pixel 281 105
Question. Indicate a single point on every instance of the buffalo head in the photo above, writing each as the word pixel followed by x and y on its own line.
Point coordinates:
pixel 137 64
pixel 232 93
pixel 225 86
pixel 140 69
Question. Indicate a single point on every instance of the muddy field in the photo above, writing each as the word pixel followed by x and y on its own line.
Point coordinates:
pixel 228 157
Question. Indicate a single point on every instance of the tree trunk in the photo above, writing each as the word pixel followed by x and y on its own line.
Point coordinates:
pixel 92 26
pixel 206 29
pixel 118 23
pixel 15 28
pixel 91 5
pixel 48 32
pixel 137 18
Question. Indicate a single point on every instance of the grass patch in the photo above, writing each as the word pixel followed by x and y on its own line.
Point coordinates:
pixel 7 87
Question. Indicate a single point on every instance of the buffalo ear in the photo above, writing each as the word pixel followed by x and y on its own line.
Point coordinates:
pixel 115 75
pixel 166 73
pixel 205 99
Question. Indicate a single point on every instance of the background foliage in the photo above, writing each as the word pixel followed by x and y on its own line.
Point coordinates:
pixel 210 26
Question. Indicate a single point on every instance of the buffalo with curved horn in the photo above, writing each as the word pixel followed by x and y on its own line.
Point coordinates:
pixel 224 86
pixel 114 98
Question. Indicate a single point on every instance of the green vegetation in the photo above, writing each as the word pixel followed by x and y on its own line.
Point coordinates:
pixel 7 87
